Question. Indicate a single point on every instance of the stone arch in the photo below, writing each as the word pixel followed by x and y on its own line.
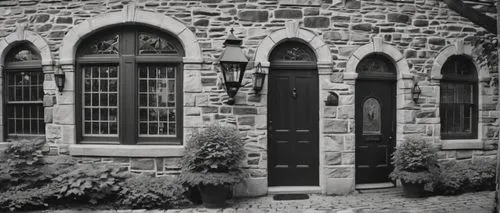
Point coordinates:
pixel 458 48
pixel 293 32
pixel 129 15
pixel 20 35
pixel 378 46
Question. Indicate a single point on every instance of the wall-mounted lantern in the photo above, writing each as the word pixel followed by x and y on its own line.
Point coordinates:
pixel 258 78
pixel 332 99
pixel 415 93
pixel 59 78
pixel 233 63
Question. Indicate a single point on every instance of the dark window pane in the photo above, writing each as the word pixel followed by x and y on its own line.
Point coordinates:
pixel 150 43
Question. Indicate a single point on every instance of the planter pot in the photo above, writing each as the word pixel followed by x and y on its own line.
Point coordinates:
pixel 214 196
pixel 414 190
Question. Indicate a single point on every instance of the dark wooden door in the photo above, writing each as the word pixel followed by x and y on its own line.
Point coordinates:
pixel 375 116
pixel 293 151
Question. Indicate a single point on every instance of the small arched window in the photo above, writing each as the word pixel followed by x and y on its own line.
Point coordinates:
pixel 24 112
pixel 130 87
pixel 459 99
pixel 376 66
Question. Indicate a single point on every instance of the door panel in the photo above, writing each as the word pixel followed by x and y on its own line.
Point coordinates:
pixel 293 152
pixel 375 117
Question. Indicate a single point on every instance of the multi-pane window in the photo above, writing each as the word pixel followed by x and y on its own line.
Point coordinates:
pixel 130 86
pixel 24 112
pixel 458 99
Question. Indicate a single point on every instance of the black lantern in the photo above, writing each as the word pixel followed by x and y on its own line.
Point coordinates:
pixel 233 63
pixel 415 93
pixel 59 78
pixel 258 78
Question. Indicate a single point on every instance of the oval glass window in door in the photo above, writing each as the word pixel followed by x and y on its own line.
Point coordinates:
pixel 371 116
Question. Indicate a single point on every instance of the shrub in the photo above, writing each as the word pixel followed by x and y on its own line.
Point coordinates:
pixel 91 182
pixel 213 156
pixel 28 199
pixel 457 177
pixel 23 165
pixel 144 191
pixel 415 161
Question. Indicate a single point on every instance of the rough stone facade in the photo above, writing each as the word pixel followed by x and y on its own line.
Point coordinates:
pixel 417 35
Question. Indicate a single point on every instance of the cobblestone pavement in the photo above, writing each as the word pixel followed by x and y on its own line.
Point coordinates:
pixel 383 201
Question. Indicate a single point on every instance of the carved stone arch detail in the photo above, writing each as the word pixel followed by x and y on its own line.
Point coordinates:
pixel 130 15
pixel 292 31
pixel 23 35
pixel 459 48
pixel 380 47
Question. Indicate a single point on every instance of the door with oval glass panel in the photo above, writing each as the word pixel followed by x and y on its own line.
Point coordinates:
pixel 375 117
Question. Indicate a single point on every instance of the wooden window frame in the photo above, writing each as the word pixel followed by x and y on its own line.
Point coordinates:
pixel 128 61
pixel 456 79
pixel 12 67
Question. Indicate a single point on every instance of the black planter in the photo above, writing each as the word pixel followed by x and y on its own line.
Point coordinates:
pixel 214 196
pixel 414 190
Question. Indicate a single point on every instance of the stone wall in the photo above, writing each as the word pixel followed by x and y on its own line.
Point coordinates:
pixel 415 33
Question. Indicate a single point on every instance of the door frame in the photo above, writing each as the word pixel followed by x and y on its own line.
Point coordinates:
pixel 308 66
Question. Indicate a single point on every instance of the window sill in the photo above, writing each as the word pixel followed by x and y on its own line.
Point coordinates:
pixel 461 144
pixel 125 150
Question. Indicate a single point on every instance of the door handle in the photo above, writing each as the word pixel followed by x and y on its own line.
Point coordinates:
pixel 294 93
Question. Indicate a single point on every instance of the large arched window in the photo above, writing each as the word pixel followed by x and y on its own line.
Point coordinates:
pixel 23 93
pixel 129 84
pixel 459 99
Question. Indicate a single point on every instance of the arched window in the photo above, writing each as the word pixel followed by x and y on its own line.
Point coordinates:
pixel 459 99
pixel 24 113
pixel 376 66
pixel 129 84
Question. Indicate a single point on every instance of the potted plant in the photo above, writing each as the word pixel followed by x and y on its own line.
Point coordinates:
pixel 212 161
pixel 415 165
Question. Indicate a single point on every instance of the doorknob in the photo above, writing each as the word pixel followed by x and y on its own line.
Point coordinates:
pixel 294 93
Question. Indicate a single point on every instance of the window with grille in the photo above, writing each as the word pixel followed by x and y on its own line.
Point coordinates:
pixel 458 99
pixel 130 84
pixel 24 112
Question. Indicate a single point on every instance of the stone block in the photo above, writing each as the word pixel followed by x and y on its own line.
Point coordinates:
pixel 333 143
pixel 139 164
pixel 330 112
pixel 251 187
pixel 64 20
pixel 463 154
pixel 363 27
pixel 349 143
pixel 335 126
pixel 316 22
pixel 64 114
pixel 201 100
pixel 406 116
pixel 192 81
pixel 48 115
pixel 399 18
pixel 288 14
pixel 201 22
pixel 339 186
pixel 348 158
pixel 66 98
pixel 192 111
pixel 49 100
pixel 246 120
pixel 346 111
pixel 244 111
pixel 53 131
pixel 253 15
pixel 193 121
pixel 68 135
pixel 339 171
pixel 311 11
pixel 333 158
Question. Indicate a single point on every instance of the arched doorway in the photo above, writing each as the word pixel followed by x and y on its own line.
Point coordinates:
pixel 293 116
pixel 375 117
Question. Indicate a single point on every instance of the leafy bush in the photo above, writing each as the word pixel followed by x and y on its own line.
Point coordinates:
pixel 23 165
pixel 144 191
pixel 28 199
pixel 213 156
pixel 91 182
pixel 415 161
pixel 457 177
